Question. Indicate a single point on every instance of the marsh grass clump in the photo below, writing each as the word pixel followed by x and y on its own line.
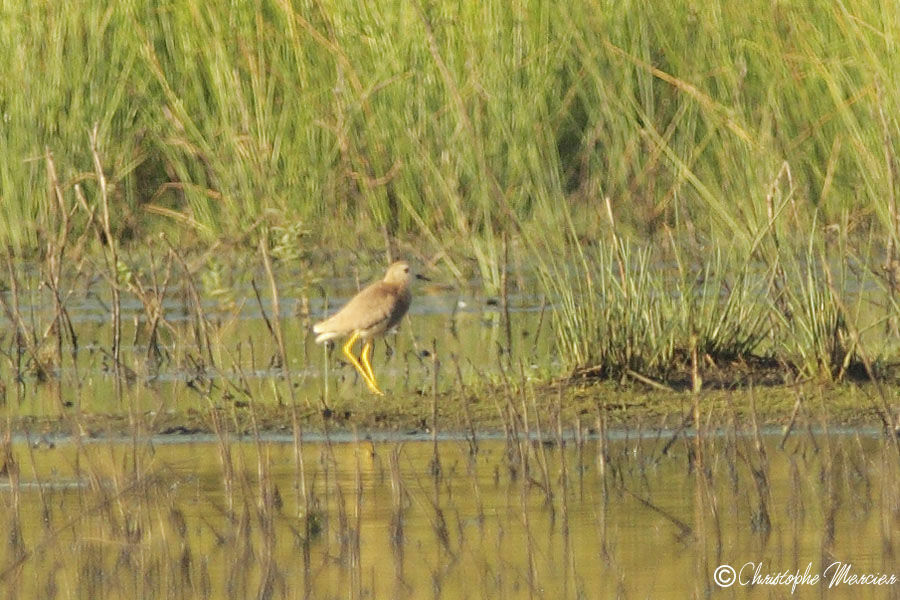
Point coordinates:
pixel 815 335
pixel 622 313
pixel 767 313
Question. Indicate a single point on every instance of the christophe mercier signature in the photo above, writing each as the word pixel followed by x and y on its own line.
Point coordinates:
pixel 836 574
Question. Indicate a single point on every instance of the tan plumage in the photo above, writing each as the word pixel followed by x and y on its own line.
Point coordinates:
pixel 374 310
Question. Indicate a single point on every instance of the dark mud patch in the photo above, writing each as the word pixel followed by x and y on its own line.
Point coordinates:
pixel 732 372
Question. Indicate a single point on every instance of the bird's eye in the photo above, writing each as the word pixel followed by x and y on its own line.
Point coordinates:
pixel 406 270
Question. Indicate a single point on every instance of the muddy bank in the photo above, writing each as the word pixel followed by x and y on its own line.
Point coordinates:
pixel 547 409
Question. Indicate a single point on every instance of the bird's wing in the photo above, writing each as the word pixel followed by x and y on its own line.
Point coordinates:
pixel 369 307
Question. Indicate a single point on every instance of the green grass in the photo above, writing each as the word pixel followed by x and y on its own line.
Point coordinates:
pixel 453 126
pixel 622 311
pixel 446 120
pixel 816 305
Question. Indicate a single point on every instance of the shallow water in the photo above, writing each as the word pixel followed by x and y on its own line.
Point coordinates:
pixel 224 348
pixel 361 519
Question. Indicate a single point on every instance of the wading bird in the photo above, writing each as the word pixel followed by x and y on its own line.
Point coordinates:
pixel 373 311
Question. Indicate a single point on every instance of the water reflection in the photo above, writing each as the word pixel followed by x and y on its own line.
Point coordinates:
pixel 566 517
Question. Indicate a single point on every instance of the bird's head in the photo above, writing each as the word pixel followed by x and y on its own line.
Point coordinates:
pixel 400 274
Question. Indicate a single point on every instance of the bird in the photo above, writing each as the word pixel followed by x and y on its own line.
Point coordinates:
pixel 376 309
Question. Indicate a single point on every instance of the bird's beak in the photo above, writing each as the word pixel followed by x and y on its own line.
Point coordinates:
pixel 422 277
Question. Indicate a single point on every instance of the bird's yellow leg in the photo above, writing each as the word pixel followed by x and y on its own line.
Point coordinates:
pixel 348 352
pixel 364 358
pixel 366 351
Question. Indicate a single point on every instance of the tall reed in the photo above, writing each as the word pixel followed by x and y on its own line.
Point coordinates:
pixel 456 122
